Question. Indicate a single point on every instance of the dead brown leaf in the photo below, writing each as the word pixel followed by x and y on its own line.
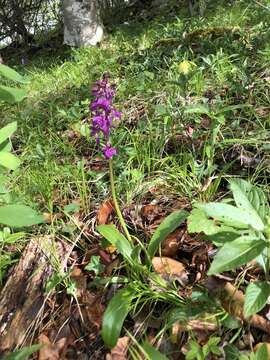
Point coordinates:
pixel 92 309
pixel 119 352
pixel 170 244
pixel 52 351
pixel 170 269
pixel 80 280
pixel 104 212
pixel 192 325
pixel 150 212
pixel 233 300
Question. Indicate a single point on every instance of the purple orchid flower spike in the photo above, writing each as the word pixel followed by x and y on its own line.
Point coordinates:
pixel 103 114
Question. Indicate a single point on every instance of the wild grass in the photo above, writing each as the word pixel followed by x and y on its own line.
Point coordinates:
pixel 159 143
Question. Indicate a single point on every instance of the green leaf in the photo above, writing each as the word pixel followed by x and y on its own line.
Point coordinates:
pixel 262 353
pixel 115 315
pixel 152 353
pixel 11 74
pixel 223 237
pixel 195 351
pixel 249 198
pixel 168 225
pixel 23 353
pixel 115 238
pixel 9 160
pixel 231 322
pixel 231 352
pixel 95 265
pixel 236 253
pixel 6 146
pixel 197 109
pixel 198 221
pixel 231 215
pixel 19 216
pixel 7 131
pixel 11 95
pixel 211 346
pixel 256 297
pixel 71 208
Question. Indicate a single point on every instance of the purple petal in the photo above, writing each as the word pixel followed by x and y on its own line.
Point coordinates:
pixel 101 103
pixel 109 151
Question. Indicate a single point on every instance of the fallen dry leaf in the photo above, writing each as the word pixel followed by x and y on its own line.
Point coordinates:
pixel 170 269
pixel 104 212
pixel 150 212
pixel 80 280
pixel 119 352
pixel 92 309
pixel 170 244
pixel 193 325
pixel 51 351
pixel 233 300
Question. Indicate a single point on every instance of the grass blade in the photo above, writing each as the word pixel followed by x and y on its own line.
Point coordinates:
pixel 115 315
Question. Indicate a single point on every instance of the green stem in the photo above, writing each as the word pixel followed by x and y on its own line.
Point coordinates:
pixel 268 263
pixel 116 206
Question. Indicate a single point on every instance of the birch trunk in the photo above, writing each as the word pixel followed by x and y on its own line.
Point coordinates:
pixel 82 23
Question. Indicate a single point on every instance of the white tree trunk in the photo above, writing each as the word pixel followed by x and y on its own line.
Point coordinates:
pixel 82 23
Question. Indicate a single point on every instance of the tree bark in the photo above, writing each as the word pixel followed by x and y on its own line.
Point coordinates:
pixel 82 23
pixel 23 297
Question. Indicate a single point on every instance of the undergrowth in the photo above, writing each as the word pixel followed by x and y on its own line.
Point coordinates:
pixel 194 97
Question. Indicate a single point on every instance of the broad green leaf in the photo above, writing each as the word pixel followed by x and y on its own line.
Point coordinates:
pixel 197 109
pixel 6 146
pixel 195 351
pixel 7 131
pixel 231 215
pixel 11 95
pixel 223 237
pixel 11 74
pixel 212 346
pixel 231 322
pixel 231 352
pixel 262 260
pixel 9 160
pixel 115 314
pixel 115 238
pixel 262 353
pixel 23 354
pixel 249 198
pixel 236 253
pixel 152 353
pixel 198 221
pixel 168 225
pixel 19 216
pixel 257 294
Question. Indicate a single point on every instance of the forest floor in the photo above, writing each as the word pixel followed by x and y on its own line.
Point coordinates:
pixel 167 69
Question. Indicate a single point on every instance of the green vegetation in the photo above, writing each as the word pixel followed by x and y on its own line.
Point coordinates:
pixel 194 94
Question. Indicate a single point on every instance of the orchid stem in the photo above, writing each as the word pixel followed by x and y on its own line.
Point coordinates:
pixel 116 205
